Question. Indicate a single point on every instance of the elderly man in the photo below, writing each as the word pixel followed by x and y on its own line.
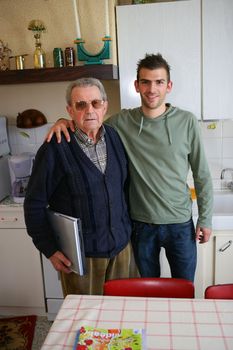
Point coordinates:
pixel 84 178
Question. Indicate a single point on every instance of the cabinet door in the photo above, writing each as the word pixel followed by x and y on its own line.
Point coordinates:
pixel 20 270
pixel 217 58
pixel 52 282
pixel 174 30
pixel 223 258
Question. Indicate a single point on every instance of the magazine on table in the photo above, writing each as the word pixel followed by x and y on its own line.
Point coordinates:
pixel 68 234
pixel 90 338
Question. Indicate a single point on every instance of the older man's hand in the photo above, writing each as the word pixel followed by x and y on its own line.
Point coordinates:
pixel 60 262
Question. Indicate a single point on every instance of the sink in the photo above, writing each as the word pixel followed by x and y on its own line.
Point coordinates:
pixel 223 202
pixel 222 210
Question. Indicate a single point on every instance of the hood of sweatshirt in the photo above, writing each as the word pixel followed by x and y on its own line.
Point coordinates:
pixel 170 110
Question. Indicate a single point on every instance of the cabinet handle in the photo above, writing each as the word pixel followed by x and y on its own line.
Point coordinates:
pixel 8 219
pixel 225 246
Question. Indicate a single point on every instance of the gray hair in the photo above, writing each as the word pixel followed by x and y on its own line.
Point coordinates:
pixel 83 82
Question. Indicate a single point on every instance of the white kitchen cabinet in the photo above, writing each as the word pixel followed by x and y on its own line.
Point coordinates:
pixel 223 272
pixel 205 267
pixel 204 275
pixel 195 36
pixel 217 58
pixel 20 266
pixel 52 289
pixel 174 30
pixel 215 261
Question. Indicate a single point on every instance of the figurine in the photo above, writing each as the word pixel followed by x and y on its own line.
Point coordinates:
pixel 4 56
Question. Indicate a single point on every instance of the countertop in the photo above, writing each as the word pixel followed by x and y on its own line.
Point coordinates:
pixel 8 202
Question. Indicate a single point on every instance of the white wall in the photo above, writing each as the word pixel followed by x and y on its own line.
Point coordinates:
pixel 49 98
pixel 59 18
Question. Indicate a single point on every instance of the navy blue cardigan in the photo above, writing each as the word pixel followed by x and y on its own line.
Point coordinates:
pixel 64 178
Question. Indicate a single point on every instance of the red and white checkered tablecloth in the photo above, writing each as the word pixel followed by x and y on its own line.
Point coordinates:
pixel 170 324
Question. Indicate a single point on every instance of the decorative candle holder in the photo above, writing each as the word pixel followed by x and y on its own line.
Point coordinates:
pixel 84 55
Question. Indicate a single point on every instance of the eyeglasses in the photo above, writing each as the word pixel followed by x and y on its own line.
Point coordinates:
pixel 82 105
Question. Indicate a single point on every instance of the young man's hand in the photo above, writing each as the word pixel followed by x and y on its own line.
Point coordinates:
pixel 60 126
pixel 203 234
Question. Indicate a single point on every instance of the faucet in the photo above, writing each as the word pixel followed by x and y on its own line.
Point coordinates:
pixel 229 184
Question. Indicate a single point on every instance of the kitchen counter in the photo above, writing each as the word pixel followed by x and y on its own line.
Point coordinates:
pixel 8 201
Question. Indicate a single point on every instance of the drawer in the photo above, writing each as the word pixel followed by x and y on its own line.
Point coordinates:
pixel 11 217
pixel 53 306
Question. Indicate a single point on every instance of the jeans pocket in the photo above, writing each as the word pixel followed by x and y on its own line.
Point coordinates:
pixel 182 230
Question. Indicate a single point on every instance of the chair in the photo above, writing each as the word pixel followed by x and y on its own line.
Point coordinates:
pixel 219 291
pixel 150 287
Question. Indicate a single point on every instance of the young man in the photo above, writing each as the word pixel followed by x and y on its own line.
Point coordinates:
pixel 162 143
pixel 84 178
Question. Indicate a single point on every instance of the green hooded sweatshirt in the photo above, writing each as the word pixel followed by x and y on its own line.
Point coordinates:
pixel 161 152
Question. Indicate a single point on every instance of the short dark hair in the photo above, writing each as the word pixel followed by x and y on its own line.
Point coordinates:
pixel 153 62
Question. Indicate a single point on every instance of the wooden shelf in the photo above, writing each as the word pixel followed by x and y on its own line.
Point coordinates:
pixel 46 75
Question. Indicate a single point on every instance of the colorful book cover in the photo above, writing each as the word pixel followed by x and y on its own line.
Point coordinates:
pixel 91 338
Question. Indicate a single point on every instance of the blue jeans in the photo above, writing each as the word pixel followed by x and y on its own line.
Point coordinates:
pixel 178 241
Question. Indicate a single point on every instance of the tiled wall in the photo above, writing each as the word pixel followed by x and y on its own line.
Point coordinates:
pixel 218 142
pixel 217 138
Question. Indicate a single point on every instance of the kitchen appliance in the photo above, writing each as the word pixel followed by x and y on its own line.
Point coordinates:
pixel 5 185
pixel 20 170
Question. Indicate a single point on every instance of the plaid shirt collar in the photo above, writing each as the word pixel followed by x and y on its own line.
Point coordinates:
pixel 85 140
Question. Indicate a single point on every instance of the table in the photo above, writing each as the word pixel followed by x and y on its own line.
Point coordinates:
pixel 171 324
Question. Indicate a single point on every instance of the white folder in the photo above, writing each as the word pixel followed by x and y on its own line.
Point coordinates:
pixel 68 234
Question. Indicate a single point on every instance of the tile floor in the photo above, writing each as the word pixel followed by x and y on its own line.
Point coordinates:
pixel 41 331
